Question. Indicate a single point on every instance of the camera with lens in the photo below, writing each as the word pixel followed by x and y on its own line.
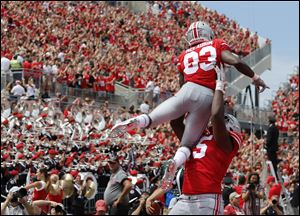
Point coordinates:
pixel 274 201
pixel 19 194
pixel 251 186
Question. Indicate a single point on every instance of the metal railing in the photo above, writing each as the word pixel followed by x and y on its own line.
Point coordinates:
pixel 38 76
pixel 125 96
pixel 48 83
pixel 255 115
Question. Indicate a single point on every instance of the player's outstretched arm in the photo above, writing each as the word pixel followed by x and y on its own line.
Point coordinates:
pixel 242 67
pixel 220 133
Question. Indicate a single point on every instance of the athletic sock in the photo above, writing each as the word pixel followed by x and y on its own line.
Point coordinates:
pixel 143 120
pixel 181 156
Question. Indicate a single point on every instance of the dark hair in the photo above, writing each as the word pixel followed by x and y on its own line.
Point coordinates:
pixel 59 209
pixel 252 174
pixel 242 180
pixel 45 172
pixel 272 119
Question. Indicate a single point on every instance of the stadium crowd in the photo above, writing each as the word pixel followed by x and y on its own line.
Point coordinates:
pixel 130 48
pixel 70 138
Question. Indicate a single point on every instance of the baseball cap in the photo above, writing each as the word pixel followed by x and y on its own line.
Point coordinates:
pixel 100 205
pixel 113 158
pixel 228 180
pixel 270 179
pixel 52 152
pixel 275 190
pixel 20 145
pixel 234 195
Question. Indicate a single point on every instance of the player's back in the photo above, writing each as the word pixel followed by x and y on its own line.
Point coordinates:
pixel 198 62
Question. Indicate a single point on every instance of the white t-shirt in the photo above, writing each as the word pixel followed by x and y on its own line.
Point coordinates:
pixel 149 86
pixel 54 69
pixel 156 90
pixel 61 56
pixel 30 90
pixel 20 59
pixel 144 108
pixel 18 90
pixel 5 64
pixel 47 69
pixel 9 210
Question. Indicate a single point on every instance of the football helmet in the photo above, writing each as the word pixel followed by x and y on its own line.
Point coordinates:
pixel 232 124
pixel 199 32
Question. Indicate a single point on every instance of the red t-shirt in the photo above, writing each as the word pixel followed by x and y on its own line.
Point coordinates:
pixel 27 69
pixel 125 80
pixel 232 210
pixel 110 87
pixel 197 64
pixel 209 165
pixel 39 195
pixel 56 198
pixel 85 81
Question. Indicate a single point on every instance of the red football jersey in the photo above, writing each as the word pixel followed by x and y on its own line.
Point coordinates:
pixel 204 173
pixel 197 63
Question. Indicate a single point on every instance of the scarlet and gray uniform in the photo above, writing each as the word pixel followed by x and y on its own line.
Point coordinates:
pixel 203 174
pixel 195 97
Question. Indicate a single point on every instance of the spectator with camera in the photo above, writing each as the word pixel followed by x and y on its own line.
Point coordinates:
pixel 273 207
pixel 273 187
pixel 52 207
pixel 12 205
pixel 295 196
pixel 139 207
pixel 252 193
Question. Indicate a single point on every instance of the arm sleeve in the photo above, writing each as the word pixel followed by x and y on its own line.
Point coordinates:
pixel 121 177
pixel 221 46
pixel 236 138
pixel 224 46
pixel 180 65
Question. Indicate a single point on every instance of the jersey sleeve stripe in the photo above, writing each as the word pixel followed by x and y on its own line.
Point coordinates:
pixel 236 137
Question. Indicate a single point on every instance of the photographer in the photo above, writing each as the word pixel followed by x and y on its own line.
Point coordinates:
pixel 139 207
pixel 54 208
pixel 273 207
pixel 12 206
pixel 252 193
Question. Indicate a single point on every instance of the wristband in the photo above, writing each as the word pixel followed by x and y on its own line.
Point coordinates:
pixel 255 77
pixel 220 87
